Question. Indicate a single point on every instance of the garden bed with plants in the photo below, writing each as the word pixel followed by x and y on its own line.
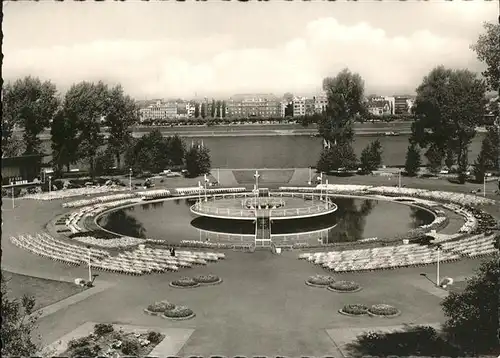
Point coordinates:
pixel 179 313
pixel 344 287
pixel 184 282
pixel 319 281
pixel 383 310
pixel 207 279
pixel 354 310
pixel 106 341
pixel 158 308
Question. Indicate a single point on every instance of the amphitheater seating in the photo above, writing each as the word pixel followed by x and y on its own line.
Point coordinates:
pixel 67 193
pixel 148 260
pixel 46 246
pixel 154 194
pixel 97 200
pixel 390 257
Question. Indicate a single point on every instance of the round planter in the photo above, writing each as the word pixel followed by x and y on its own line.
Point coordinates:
pixel 200 281
pixel 179 318
pixel 341 311
pixel 375 314
pixel 151 313
pixel 171 284
pixel 339 290
pixel 165 305
pixel 322 281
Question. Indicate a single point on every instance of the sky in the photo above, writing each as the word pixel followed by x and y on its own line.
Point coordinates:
pixel 217 49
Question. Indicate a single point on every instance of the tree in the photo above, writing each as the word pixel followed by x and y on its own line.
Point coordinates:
pixel 64 141
pixel 87 103
pixel 487 49
pixel 18 324
pixel 176 149
pixel 212 109
pixel 338 156
pixel 487 158
pixel 345 102
pixel 104 162
pixel 413 162
pixel 203 110
pixel 196 110
pixel 449 106
pixel 31 104
pixel 198 161
pixel 13 147
pixel 472 316
pixel 224 110
pixel 371 156
pixel 122 113
pixel 218 105
pixel 435 159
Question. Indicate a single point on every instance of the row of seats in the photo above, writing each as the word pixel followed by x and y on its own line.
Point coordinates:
pixel 155 194
pixel 46 246
pixel 68 193
pixel 147 260
pixel 124 241
pixel 478 245
pixel 97 200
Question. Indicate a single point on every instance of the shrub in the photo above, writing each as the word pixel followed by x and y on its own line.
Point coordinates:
pixel 322 280
pixel 161 306
pixel 185 282
pixel 346 286
pixel 154 337
pixel 79 342
pixel 355 309
pixel 206 278
pixel 130 347
pixel 179 312
pixel 86 351
pixel 383 310
pixel 101 329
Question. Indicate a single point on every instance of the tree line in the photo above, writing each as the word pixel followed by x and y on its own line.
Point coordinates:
pixel 76 121
pixel 449 106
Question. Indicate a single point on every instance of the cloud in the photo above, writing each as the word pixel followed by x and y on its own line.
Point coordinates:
pixel 217 66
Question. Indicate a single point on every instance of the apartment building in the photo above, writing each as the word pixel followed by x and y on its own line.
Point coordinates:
pixel 299 106
pixel 379 107
pixel 158 111
pixel 254 105
pixel 320 103
pixel 401 104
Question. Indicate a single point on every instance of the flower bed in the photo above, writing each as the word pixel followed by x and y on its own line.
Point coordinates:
pixel 354 310
pixel 344 286
pixel 319 280
pixel 383 310
pixel 159 307
pixel 207 279
pixel 184 282
pixel 179 313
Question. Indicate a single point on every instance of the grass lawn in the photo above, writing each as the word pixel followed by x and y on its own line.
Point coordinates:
pixel 46 292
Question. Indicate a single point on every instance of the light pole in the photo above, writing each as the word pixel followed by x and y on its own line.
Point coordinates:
pixel 218 177
pixel 205 180
pixel 484 186
pixel 90 265
pixel 320 178
pixel 310 174
pixel 50 183
pixel 130 178
pixel 256 176
pixel 438 247
pixel 13 202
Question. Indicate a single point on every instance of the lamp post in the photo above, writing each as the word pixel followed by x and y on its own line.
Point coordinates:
pixel 484 186
pixel 130 178
pixel 205 180
pixel 320 178
pixel 438 247
pixel 13 198
pixel 310 174
pixel 50 183
pixel 90 265
pixel 218 177
pixel 256 176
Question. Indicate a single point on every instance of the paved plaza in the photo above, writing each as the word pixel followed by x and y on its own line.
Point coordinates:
pixel 263 306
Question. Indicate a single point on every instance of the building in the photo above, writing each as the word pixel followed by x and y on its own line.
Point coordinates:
pixel 379 106
pixel 21 170
pixel 159 111
pixel 320 103
pixel 190 109
pixel 299 106
pixel 254 105
pixel 401 105
pixel 310 106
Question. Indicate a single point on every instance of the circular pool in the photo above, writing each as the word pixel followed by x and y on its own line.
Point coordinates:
pixel 355 219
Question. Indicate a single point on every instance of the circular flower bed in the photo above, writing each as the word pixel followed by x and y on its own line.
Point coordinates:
pixel 207 279
pixel 179 313
pixel 159 307
pixel 383 310
pixel 184 282
pixel 354 310
pixel 319 280
pixel 344 286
